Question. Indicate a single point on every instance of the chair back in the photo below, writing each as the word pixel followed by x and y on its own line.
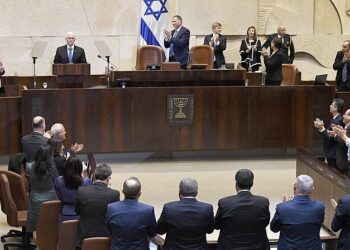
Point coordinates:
pixel 68 231
pixel 46 234
pixel 100 243
pixel 7 200
pixel 202 54
pixel 289 72
pixel 17 187
pixel 148 55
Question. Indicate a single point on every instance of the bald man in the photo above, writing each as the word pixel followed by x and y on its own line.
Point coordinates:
pixel 287 48
pixel 31 142
pixel 70 53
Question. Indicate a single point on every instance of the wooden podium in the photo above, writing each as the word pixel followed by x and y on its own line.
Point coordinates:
pixel 71 75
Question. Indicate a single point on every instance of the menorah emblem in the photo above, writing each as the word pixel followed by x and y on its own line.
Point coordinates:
pixel 180 103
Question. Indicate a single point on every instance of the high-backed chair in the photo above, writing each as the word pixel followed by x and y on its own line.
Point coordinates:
pixel 290 73
pixel 46 234
pixel 202 54
pixel 148 55
pixel 15 217
pixel 100 243
pixel 66 239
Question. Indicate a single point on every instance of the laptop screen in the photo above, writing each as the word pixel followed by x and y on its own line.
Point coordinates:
pixel 321 79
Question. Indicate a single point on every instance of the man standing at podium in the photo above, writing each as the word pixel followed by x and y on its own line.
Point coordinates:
pixel 70 53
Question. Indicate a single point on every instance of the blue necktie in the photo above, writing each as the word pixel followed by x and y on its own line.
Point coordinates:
pixel 70 55
pixel 171 51
pixel 344 75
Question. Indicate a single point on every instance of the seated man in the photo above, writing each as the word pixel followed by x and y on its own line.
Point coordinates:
pixel 299 219
pixel 129 221
pixel 31 142
pixel 70 53
pixel 187 221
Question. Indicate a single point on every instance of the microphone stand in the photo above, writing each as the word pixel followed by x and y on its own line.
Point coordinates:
pixel 34 75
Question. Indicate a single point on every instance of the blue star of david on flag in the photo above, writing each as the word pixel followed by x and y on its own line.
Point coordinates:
pixel 155 13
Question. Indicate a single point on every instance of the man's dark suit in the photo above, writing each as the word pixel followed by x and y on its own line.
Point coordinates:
pixel 338 66
pixel 31 143
pixel 329 144
pixel 341 220
pixel 273 65
pixel 62 55
pixel 287 44
pixel 180 46
pixel 242 220
pixel 341 155
pixel 130 223
pixel 299 222
pixel 92 201
pixel 186 223
pixel 218 49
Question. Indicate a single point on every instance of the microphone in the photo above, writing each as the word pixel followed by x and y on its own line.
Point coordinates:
pixel 113 66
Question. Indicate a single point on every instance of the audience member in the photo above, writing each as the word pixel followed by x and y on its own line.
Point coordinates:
pixel 342 149
pixel 329 144
pixel 243 218
pixel 273 63
pixel 70 53
pixel 58 131
pixel 67 188
pixel 250 51
pixel 342 66
pixel 286 44
pixel 91 205
pixel 42 175
pixel 2 72
pixel 299 219
pixel 58 154
pixel 31 142
pixel 187 221
pixel 341 220
pixel 178 41
pixel 130 222
pixel 218 42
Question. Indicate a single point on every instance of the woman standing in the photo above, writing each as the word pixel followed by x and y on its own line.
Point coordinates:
pixel 58 151
pixel 273 63
pixel 250 51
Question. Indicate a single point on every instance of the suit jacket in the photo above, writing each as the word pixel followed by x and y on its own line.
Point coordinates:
pixel 31 143
pixel 341 155
pixel 186 223
pixel 91 205
pixel 338 66
pixel 218 49
pixel 329 144
pixel 62 55
pixel 130 223
pixel 180 45
pixel 287 46
pixel 341 220
pixel 299 222
pixel 242 220
pixel 273 65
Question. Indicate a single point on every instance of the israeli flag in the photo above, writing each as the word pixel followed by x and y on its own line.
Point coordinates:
pixel 154 19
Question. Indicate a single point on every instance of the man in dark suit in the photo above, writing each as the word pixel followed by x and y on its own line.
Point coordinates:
pixel 187 221
pixel 329 144
pixel 91 206
pixel 2 72
pixel 342 66
pixel 218 42
pixel 178 41
pixel 70 53
pixel 299 219
pixel 341 220
pixel 31 142
pixel 341 156
pixel 287 48
pixel 130 222
pixel 243 218
pixel 273 63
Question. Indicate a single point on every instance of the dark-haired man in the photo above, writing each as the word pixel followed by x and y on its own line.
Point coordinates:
pixel 31 142
pixel 243 218
pixel 92 201
pixel 178 41
pixel 129 221
pixel 187 221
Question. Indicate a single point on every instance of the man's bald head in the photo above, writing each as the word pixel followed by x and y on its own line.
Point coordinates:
pixel 281 30
pixel 132 188
pixel 38 123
